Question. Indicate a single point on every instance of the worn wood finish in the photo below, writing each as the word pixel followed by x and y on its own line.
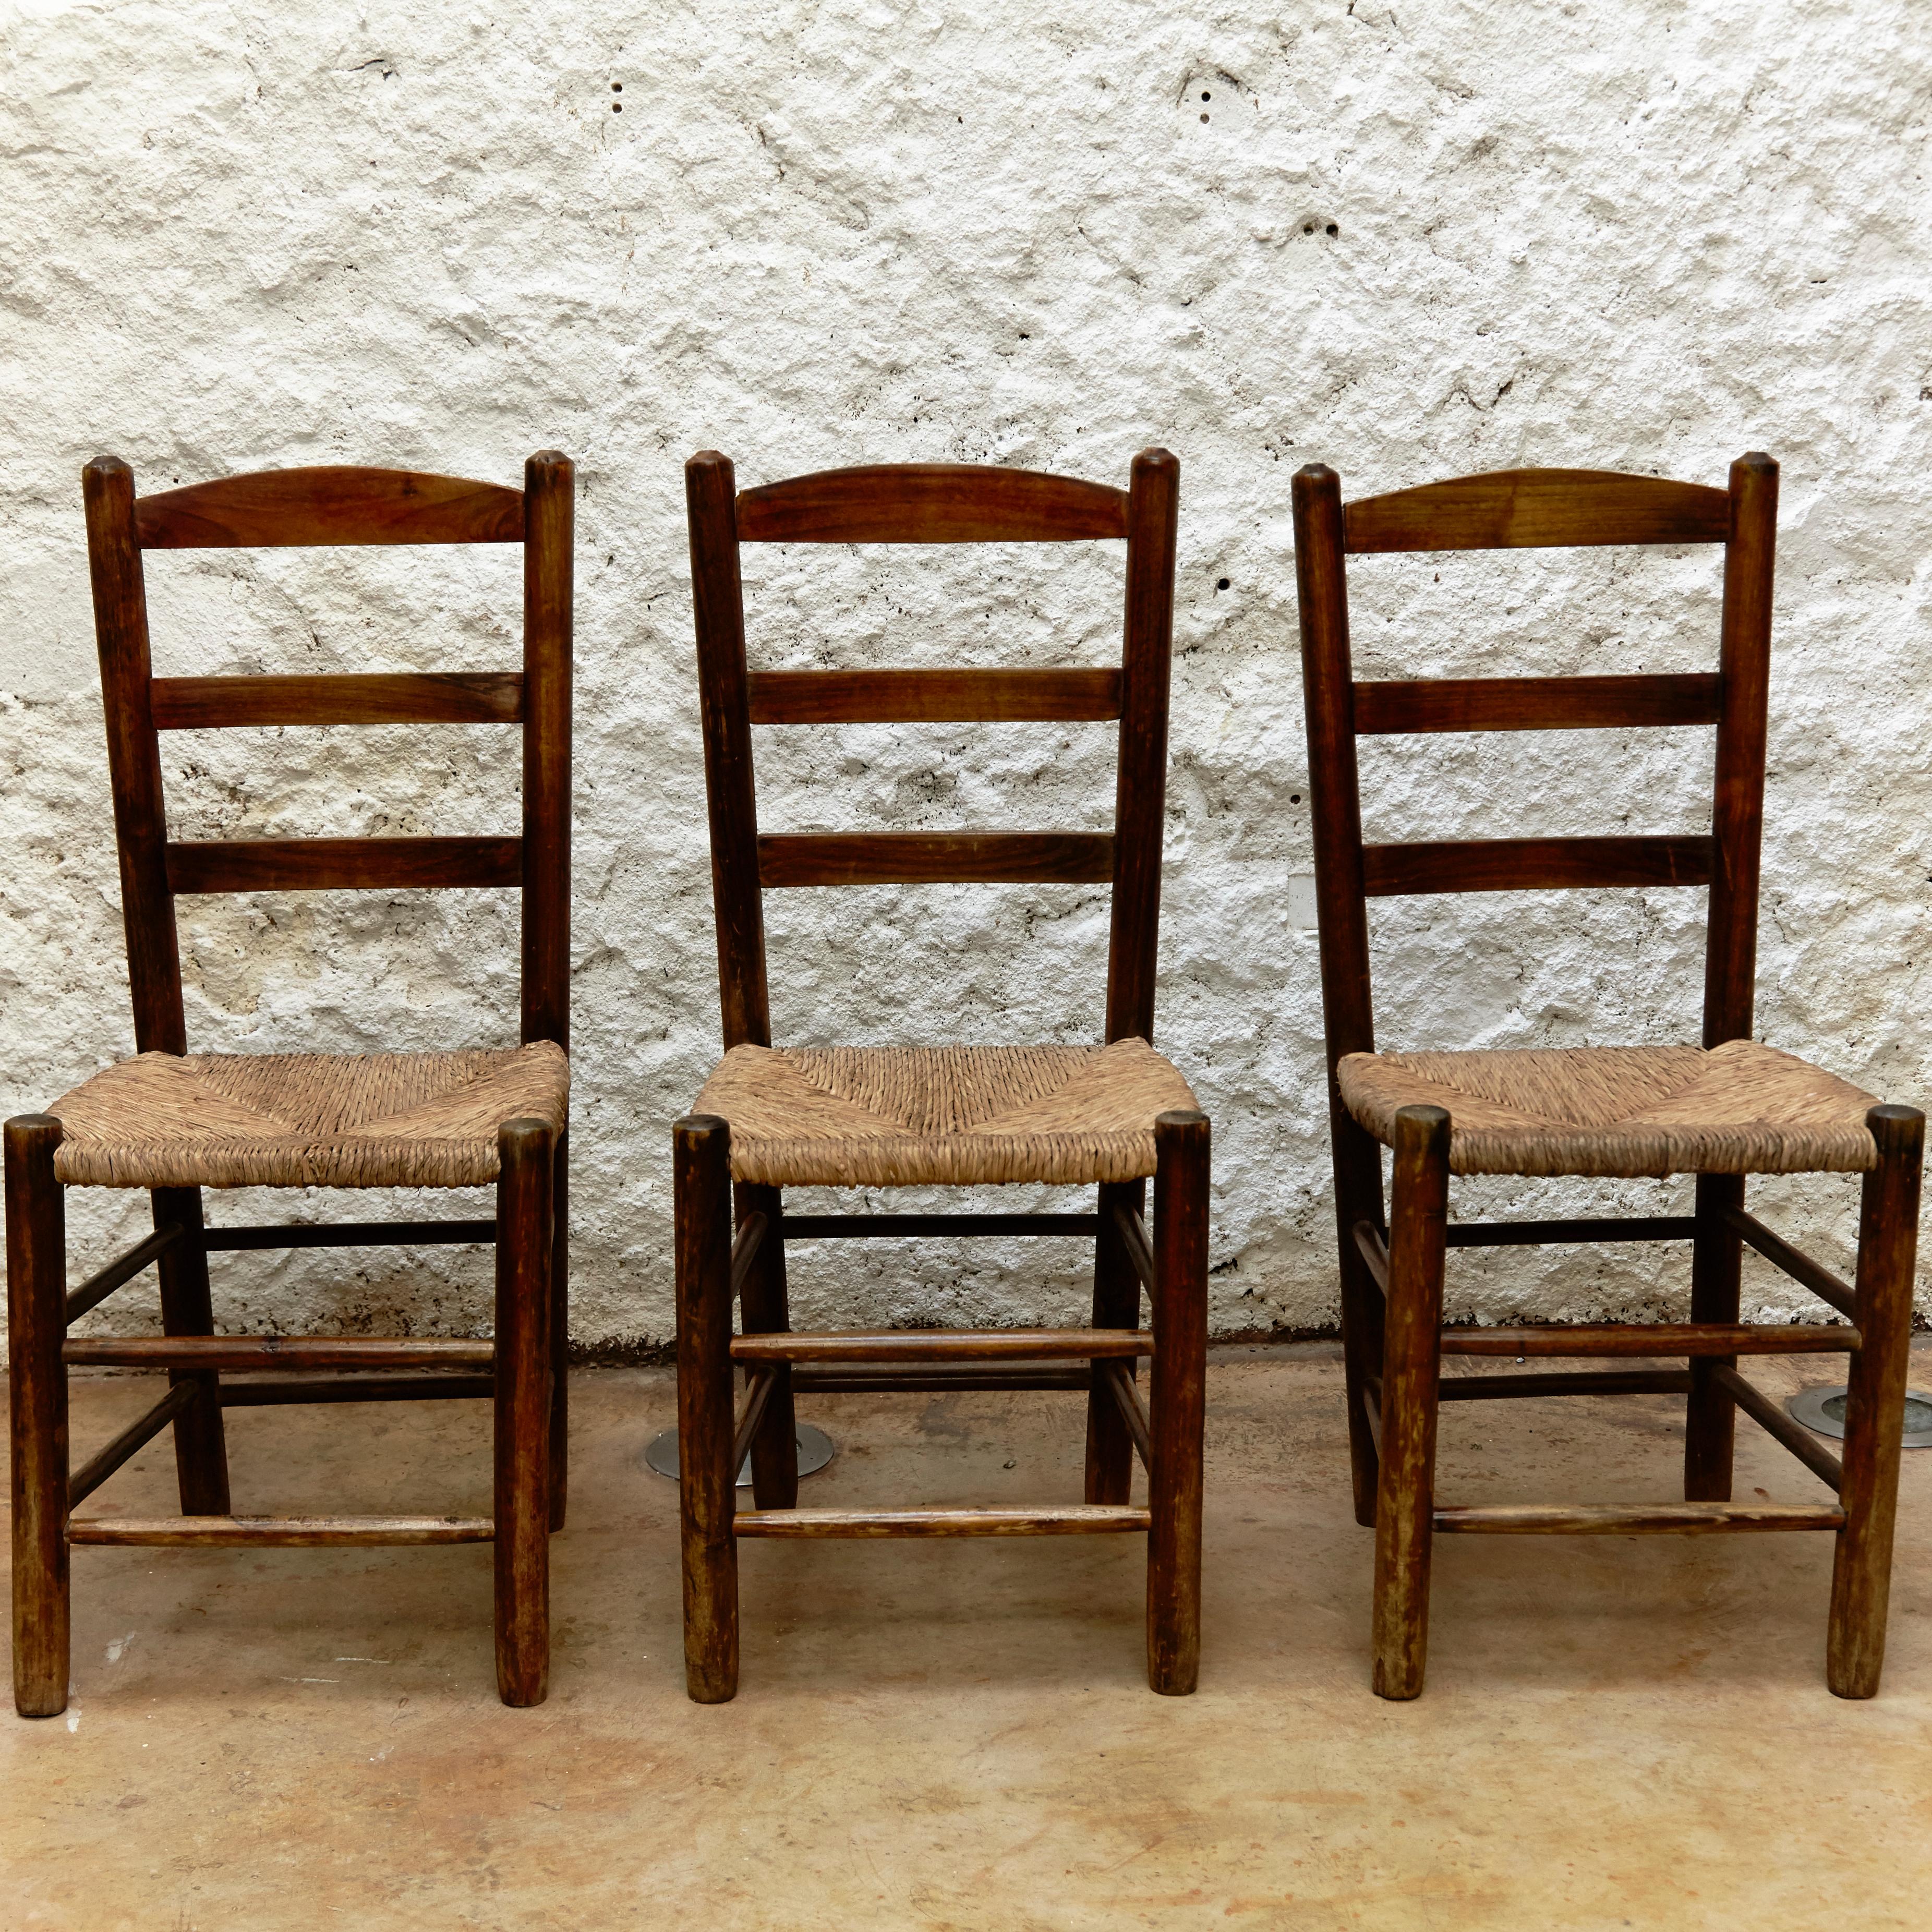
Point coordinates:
pixel 340 864
pixel 187 1311
pixel 526 1149
pixel 943 1345
pixel 1178 1404
pixel 1532 864
pixel 1515 509
pixel 1136 1241
pixel 369 698
pixel 1875 1413
pixel 1657 1338
pixel 206 1352
pixel 1775 1424
pixel 350 1234
pixel 938 1378
pixel 99 1286
pixel 559 1336
pixel 1132 1410
pixel 1373 1250
pixel 282 1391
pixel 1571 1381
pixel 934 697
pixel 930 502
pixel 1543 1233
pixel 1067 1519
pixel 129 1443
pixel 1116 1304
pixel 707 1476
pixel 1710 1421
pixel 899 1227
pixel 1534 703
pixel 1793 1261
pixel 37 1413
pixel 329 505
pixel 1631 1520
pixel 793 859
pixel 764 1308
pixel 1411 1374
pixel 550 502
pixel 757 1396
pixel 313 1532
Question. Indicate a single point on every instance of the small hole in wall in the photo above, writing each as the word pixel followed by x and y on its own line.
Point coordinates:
pixel 1206 96
pixel 1295 798
pixel 1308 228
pixel 1203 118
pixel 1220 584
pixel 616 87
pixel 1331 229
pixel 616 107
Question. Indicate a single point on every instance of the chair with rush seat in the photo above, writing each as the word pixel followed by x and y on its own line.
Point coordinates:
pixel 174 1122
pixel 1722 1110
pixel 888 1117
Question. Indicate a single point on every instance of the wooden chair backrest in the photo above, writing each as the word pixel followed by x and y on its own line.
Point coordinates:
pixel 332 506
pixel 933 503
pixel 1515 509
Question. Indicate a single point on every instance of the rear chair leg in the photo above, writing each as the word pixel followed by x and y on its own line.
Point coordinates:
pixel 1177 1404
pixel 766 1312
pixel 559 1336
pixel 36 1319
pixel 1411 1368
pixel 706 1492
pixel 1711 1416
pixel 1358 1197
pixel 1116 1304
pixel 525 1191
pixel 201 1440
pixel 1875 1414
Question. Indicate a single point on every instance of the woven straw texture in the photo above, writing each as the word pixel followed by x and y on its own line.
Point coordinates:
pixel 897 1116
pixel 1740 1108
pixel 303 1120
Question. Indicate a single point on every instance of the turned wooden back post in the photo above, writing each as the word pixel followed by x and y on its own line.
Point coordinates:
pixel 329 506
pixel 930 503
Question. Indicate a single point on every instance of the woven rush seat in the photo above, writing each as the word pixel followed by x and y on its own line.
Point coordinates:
pixel 1739 1109
pixel 305 1119
pixel 898 1116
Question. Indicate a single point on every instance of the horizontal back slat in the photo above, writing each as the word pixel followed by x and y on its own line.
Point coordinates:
pixel 931 858
pixel 1534 865
pixel 933 697
pixel 1534 703
pixel 1516 509
pixel 376 698
pixel 930 502
pixel 341 865
pixel 329 505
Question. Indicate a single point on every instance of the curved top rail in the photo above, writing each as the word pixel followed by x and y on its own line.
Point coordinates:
pixel 930 502
pixel 1521 509
pixel 330 505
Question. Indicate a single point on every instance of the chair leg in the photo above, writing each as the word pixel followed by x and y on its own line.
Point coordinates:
pixel 525 1189
pixel 1116 1304
pixel 1411 1369
pixel 201 1439
pixel 1875 1413
pixel 1358 1197
pixel 559 1337
pixel 1711 1416
pixel 701 1145
pixel 37 1325
pixel 765 1311
pixel 1178 1401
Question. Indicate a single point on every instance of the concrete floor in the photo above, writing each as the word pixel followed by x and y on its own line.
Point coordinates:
pixel 1617 1732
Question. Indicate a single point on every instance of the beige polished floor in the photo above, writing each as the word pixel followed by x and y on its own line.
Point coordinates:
pixel 1617 1732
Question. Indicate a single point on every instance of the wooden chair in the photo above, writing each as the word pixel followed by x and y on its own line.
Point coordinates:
pixel 1727 1108
pixel 896 1117
pixel 174 1123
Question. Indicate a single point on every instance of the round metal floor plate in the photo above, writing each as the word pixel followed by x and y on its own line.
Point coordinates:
pixel 1822 1409
pixel 815 1449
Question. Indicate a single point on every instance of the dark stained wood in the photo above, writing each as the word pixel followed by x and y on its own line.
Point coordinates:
pixel 129 1443
pixel 746 1244
pixel 933 696
pixel 1545 1234
pixel 1532 864
pixel 930 502
pixel 1373 1250
pixel 526 1149
pixel 1710 1419
pixel 373 697
pixel 37 1414
pixel 1534 703
pixel 1411 1374
pixel 889 1378
pixel 1777 1424
pixel 1109 1471
pixel 1177 1400
pixel 1133 1411
pixel 313 1532
pixel 898 1227
pixel 758 1286
pixel 274 1352
pixel 943 1345
pixel 1573 1382
pixel 1514 509
pixel 329 505
pixel 282 1392
pixel 201 1444
pixel 1135 1241
pixel 1065 1520
pixel 341 865
pixel 1657 1338
pixel 932 858
pixel 99 1286
pixel 1632 1518
pixel 559 1337
pixel 349 1235
pixel 707 1476
pixel 549 501
pixel 757 1396
pixel 1793 1261
pixel 1875 1412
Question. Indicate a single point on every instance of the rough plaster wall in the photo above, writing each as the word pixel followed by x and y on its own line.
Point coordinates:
pixel 1411 241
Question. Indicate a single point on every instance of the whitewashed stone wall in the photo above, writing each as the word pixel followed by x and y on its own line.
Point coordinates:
pixel 1410 240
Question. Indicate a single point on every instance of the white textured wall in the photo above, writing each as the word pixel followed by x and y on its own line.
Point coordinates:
pixel 1410 240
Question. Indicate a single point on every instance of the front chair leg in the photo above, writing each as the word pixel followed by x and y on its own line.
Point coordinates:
pixel 559 1336
pixel 1411 1369
pixel 1177 1404
pixel 525 1191
pixel 36 1319
pixel 706 1483
pixel 1875 1413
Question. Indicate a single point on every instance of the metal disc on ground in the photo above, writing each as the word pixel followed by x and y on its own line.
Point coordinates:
pixel 1822 1409
pixel 815 1449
